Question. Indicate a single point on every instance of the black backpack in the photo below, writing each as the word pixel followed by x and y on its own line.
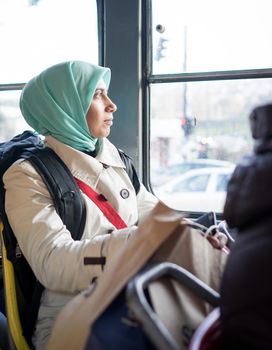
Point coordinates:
pixel 68 202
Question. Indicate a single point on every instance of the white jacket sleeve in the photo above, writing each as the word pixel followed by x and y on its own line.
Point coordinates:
pixel 56 259
pixel 146 202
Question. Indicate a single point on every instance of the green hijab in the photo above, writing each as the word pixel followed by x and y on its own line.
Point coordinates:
pixel 57 100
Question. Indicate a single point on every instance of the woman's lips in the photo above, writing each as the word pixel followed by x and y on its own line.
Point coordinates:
pixel 108 122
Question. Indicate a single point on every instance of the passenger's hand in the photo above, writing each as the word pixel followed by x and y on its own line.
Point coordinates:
pixel 218 240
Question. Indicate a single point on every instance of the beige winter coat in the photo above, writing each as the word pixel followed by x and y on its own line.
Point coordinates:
pixel 54 256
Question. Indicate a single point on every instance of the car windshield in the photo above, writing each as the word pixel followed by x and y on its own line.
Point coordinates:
pixel 180 168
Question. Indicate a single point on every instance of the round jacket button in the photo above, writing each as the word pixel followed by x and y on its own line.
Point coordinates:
pixel 124 193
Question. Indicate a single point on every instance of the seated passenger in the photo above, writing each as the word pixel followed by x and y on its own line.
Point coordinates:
pixel 68 104
pixel 246 303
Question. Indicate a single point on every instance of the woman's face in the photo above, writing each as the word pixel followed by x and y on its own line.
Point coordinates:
pixel 100 114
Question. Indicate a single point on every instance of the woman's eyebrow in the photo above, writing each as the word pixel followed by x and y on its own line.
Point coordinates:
pixel 101 89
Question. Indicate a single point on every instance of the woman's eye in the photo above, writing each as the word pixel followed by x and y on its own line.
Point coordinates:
pixel 100 93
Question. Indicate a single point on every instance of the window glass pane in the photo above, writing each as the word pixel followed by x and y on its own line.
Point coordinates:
pixel 222 182
pixel 36 34
pixel 11 121
pixel 211 35
pixel 199 125
pixel 196 183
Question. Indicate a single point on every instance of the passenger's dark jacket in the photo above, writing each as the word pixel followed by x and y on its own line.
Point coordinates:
pixel 246 303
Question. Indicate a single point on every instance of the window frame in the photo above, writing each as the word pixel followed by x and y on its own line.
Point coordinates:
pixel 150 78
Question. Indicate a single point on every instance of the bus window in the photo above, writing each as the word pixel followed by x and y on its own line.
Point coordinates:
pixel 11 120
pixel 36 34
pixel 210 35
pixel 206 76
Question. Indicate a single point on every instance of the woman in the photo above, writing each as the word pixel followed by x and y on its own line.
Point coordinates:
pixel 69 105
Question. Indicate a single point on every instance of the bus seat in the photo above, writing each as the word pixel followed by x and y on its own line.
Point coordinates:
pixel 17 339
pixel 208 335
pixel 139 303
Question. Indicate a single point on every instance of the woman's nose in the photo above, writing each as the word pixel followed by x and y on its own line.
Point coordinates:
pixel 111 107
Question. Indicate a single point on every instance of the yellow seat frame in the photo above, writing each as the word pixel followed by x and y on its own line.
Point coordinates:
pixel 17 338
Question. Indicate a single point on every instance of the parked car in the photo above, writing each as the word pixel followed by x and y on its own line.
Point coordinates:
pixel 197 190
pixel 162 176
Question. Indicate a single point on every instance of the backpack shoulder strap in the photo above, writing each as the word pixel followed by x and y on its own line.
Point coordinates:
pixel 131 171
pixel 66 197
pixel 60 183
pixel 69 204
pixel 63 189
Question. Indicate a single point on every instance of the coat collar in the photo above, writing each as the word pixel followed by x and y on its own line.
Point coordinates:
pixel 83 166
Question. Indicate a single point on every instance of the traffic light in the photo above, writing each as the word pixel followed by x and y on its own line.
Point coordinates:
pixel 187 125
pixel 161 48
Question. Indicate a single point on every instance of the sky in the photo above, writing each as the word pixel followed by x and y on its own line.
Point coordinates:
pixel 220 35
pixel 35 37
